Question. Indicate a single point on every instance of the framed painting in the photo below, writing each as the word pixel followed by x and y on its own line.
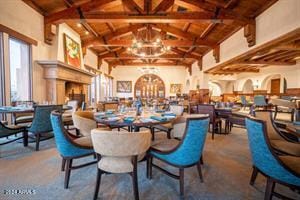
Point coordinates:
pixel 124 86
pixel 175 88
pixel 72 52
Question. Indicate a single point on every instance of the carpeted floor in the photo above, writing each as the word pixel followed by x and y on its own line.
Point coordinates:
pixel 226 170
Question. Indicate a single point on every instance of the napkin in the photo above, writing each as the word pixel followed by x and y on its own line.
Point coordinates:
pixel 169 115
pixel 129 119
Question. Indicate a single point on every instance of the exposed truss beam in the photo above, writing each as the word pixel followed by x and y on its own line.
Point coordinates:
pixel 72 11
pixel 261 62
pixel 165 56
pixel 163 6
pixel 99 42
pixel 122 17
pixel 132 6
pixel 115 64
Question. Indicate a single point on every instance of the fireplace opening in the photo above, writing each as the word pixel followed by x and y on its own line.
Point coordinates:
pixel 75 91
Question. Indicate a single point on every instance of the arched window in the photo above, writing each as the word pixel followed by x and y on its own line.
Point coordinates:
pixel 215 89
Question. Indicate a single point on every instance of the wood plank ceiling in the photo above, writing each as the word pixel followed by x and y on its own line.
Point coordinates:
pixel 190 27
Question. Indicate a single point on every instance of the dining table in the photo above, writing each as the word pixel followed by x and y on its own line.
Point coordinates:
pixel 133 121
pixel 25 109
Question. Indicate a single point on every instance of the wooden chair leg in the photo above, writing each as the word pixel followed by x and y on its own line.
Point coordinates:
pixel 220 127
pixel 269 189
pixel 213 131
pixel 292 115
pixel 181 181
pixel 169 134
pixel 275 113
pixel 68 173
pixel 63 164
pixel 135 179
pixel 77 132
pixel 254 175
pixel 149 167
pixel 201 160
pixel 199 171
pixel 152 133
pixel 37 141
pixel 98 182
pixel 25 138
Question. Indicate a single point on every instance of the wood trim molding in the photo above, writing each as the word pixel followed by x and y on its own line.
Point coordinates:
pixel 216 53
pixel 250 34
pixel 17 35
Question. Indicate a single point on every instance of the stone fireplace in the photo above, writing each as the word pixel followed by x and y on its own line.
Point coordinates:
pixel 65 82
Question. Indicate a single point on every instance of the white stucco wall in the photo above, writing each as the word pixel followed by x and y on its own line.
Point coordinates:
pixel 280 18
pixel 176 74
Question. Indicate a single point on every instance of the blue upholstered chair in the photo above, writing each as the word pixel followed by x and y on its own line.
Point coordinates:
pixel 244 102
pixel 260 101
pixel 69 147
pixel 181 154
pixel 41 123
pixel 277 169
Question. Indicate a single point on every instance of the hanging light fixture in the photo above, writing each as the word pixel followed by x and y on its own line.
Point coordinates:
pixel 147 48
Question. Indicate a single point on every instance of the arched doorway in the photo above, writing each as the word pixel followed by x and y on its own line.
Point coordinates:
pixel 272 83
pixel 248 87
pixel 149 86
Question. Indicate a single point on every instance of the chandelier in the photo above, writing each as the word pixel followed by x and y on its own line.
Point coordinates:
pixel 148 49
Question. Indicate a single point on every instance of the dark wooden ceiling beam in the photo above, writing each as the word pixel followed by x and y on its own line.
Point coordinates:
pixel 184 35
pixel 35 6
pixel 164 5
pixel 147 6
pixel 124 17
pixel 184 53
pixel 127 63
pixel 72 11
pixel 259 62
pixel 100 42
pixel 165 56
pixel 217 10
pixel 132 6
pixel 207 30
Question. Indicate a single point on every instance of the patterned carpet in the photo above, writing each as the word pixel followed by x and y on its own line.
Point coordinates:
pixel 226 171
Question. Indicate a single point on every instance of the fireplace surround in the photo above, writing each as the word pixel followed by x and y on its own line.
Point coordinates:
pixel 63 80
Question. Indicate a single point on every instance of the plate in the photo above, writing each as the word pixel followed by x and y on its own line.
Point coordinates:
pixel 113 119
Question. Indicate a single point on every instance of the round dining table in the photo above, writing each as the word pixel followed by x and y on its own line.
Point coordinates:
pixel 19 109
pixel 130 120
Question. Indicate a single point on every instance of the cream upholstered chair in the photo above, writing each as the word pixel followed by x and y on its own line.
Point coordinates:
pixel 168 127
pixel 177 109
pixel 278 141
pixel 284 106
pixel 118 152
pixel 84 122
pixel 179 124
pixel 67 115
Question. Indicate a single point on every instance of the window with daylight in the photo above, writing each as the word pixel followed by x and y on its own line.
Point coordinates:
pixel 20 70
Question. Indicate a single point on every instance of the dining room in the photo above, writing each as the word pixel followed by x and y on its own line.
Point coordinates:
pixel 149 99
